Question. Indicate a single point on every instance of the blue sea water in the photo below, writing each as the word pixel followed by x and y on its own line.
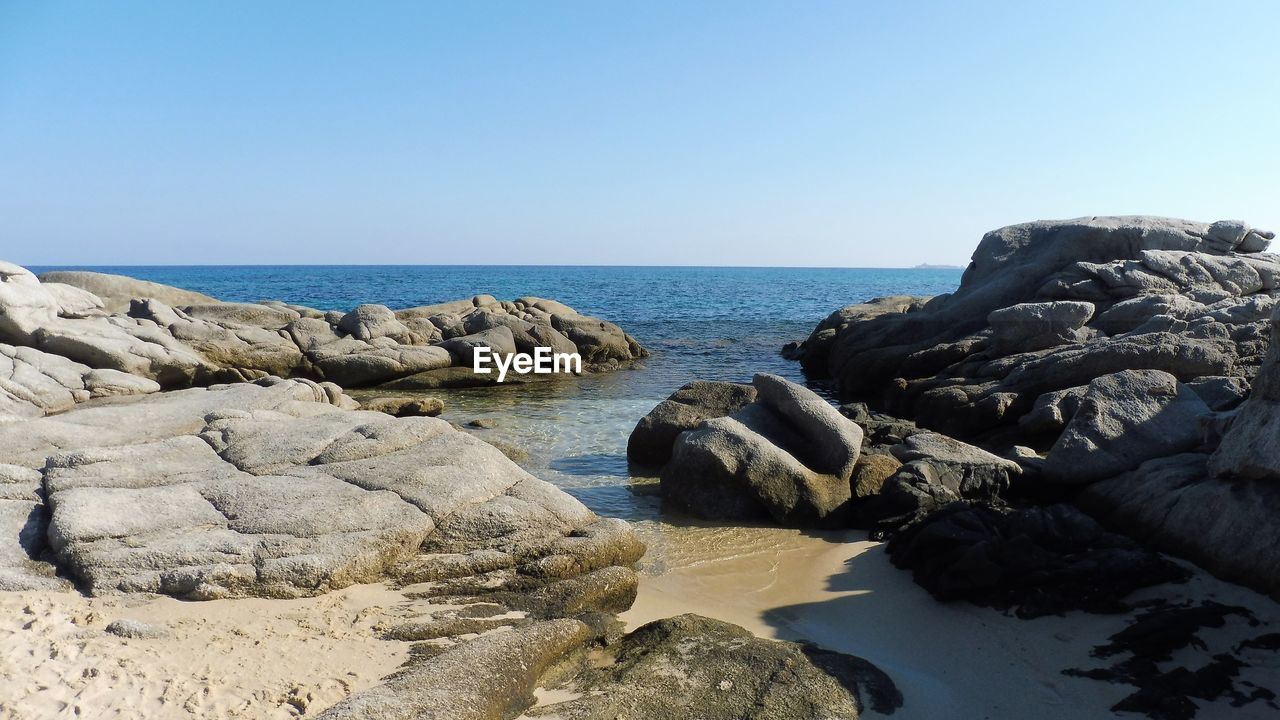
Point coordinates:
pixel 712 323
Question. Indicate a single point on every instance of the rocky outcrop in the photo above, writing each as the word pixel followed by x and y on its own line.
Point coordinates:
pixel 690 666
pixel 35 383
pixel 1049 306
pixel 655 434
pixel 788 455
pixel 180 338
pixel 274 489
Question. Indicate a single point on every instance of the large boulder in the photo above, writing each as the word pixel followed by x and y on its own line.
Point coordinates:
pixel 25 305
pixel 651 441
pixel 1123 420
pixel 689 666
pixel 788 455
pixel 1035 326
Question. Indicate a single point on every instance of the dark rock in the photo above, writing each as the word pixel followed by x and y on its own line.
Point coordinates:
pixel 651 441
pixel 690 666
pixel 1034 561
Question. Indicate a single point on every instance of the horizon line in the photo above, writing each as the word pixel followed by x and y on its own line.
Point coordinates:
pixel 921 266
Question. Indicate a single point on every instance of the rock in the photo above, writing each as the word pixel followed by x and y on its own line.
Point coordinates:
pixel 789 454
pixel 117 291
pixel 35 383
pixel 1125 419
pixel 499 339
pixel 1129 293
pixel 871 472
pixel 483 423
pixel 1174 504
pixel 135 630
pixel 1027 327
pixel 74 302
pixel 369 322
pixel 25 305
pixel 404 406
pixel 489 678
pixel 598 341
pixel 22 532
pixel 1036 561
pixel 691 666
pixel 967 471
pixel 651 441
pixel 272 490
pixel 1220 393
pixel 1053 410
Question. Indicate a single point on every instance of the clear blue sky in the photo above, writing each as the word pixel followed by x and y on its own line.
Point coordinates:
pixel 725 133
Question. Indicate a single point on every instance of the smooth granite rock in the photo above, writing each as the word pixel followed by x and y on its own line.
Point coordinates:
pixel 651 441
pixel 789 455
pixel 1123 420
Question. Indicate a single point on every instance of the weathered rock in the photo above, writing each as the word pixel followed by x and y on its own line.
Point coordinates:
pixel 789 454
pixel 871 472
pixel 1038 560
pixel 1125 419
pixel 598 341
pixel 118 291
pixel 691 666
pixel 1053 410
pixel 967 471
pixel 1226 526
pixel 1220 393
pixel 1035 326
pixel 74 302
pixel 489 678
pixel 35 383
pixel 369 322
pixel 651 441
pixel 404 406
pixel 1182 297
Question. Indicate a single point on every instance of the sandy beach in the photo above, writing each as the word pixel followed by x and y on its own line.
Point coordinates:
pixel 289 658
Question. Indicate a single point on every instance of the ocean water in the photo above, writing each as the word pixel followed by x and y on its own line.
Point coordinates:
pixel 698 322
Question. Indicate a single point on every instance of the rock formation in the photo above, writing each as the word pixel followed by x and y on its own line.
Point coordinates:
pixel 1049 306
pixel 179 338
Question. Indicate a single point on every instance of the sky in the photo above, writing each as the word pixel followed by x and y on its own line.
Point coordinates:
pixel 841 134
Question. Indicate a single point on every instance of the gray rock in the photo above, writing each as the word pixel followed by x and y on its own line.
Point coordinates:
pixel 1026 327
pixel 74 302
pixel 965 470
pixel 1053 410
pixel 1186 298
pixel 489 678
pixel 1173 504
pixel 690 666
pixel 25 305
pixel 789 454
pixel 1220 393
pixel 369 322
pixel 651 441
pixel 499 339
pixel 1125 419
pixel 135 629
pixel 117 291
pixel 598 341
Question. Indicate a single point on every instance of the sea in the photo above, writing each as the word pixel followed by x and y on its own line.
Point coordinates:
pixel 709 323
